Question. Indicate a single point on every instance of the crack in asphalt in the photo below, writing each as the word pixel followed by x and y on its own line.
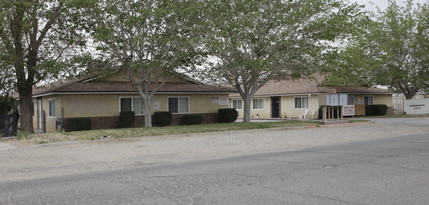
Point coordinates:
pixel 400 167
pixel 311 195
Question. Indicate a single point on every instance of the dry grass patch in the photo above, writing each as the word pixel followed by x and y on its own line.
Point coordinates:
pixel 43 138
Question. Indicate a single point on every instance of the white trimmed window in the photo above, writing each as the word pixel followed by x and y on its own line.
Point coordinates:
pixel 350 100
pixel 178 105
pixel 132 104
pixel 258 104
pixel 51 108
pixel 301 102
pixel 237 104
pixel 368 100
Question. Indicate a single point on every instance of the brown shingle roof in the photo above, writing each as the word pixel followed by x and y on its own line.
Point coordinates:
pixel 75 86
pixel 369 90
pixel 119 86
pixel 289 87
pixel 52 87
pixel 309 85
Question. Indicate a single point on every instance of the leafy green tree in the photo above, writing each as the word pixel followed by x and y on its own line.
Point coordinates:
pixel 146 39
pixel 392 50
pixel 36 37
pixel 254 41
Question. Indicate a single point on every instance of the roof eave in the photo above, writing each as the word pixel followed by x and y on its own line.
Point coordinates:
pixel 132 92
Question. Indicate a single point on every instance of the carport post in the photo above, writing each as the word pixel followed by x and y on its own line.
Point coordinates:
pixel 44 121
pixel 324 112
pixel 329 112
pixel 338 112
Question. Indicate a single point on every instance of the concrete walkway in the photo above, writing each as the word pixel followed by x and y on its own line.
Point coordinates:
pixel 267 119
pixel 4 146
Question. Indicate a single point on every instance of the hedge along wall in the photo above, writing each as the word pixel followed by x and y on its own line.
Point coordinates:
pixel 162 118
pixel 207 118
pixel 112 122
pixel 192 119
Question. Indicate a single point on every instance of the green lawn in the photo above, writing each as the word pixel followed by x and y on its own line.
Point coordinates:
pixel 157 131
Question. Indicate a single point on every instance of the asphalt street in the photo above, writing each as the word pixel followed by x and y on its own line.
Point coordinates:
pixel 383 171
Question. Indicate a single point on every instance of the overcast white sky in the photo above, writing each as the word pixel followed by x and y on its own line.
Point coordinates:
pixel 383 3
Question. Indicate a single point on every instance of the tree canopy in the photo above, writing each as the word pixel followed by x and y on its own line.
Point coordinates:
pixel 254 41
pixel 392 50
pixel 146 39
pixel 36 40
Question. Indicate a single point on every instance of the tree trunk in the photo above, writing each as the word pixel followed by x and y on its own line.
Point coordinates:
pixel 147 112
pixel 409 94
pixel 247 100
pixel 26 109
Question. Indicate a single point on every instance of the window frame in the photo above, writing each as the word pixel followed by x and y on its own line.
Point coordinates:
pixel 301 97
pixel 178 106
pixel 237 100
pixel 253 103
pixel 353 100
pixel 49 108
pixel 132 104
pixel 371 96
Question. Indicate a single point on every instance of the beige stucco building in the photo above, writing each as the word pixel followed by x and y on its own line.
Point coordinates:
pixel 302 98
pixel 103 98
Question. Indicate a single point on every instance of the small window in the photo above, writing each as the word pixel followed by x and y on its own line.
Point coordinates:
pixel 258 104
pixel 237 104
pixel 178 105
pixel 132 104
pixel 368 100
pixel 301 102
pixel 52 108
pixel 350 100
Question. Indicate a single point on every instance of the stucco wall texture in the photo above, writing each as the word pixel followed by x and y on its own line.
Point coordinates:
pixel 287 105
pixel 109 105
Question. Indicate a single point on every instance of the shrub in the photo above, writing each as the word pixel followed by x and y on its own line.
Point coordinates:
pixel 192 119
pixel 368 110
pixel 373 110
pixel 227 115
pixel 162 118
pixel 77 124
pixel 126 119
pixel 380 109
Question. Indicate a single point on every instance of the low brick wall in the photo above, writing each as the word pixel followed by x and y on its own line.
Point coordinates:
pixel 112 122
pixel 97 123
